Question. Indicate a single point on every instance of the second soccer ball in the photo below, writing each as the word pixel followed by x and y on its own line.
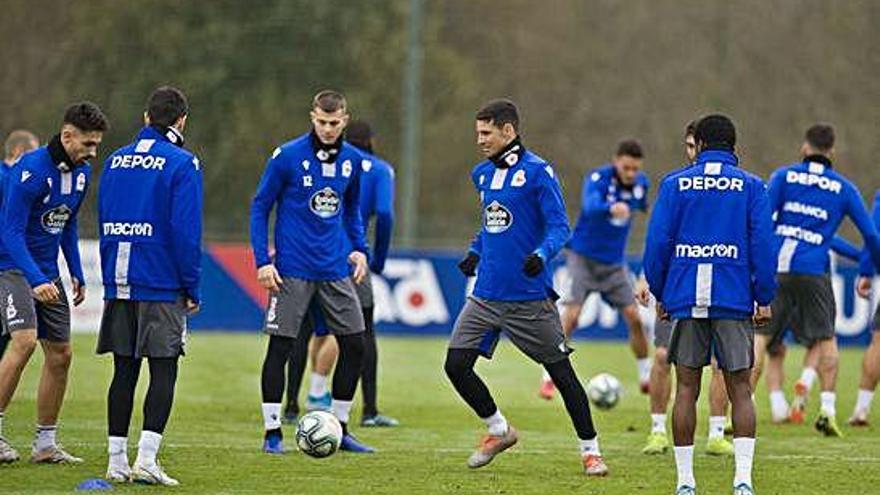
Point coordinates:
pixel 604 391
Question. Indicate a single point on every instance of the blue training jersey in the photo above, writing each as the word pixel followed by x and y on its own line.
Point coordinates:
pixel 42 195
pixel 709 251
pixel 866 265
pixel 809 201
pixel 377 199
pixel 597 235
pixel 523 213
pixel 318 219
pixel 150 219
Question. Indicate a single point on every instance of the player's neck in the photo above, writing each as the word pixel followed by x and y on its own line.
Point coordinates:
pixel 325 152
pixel 509 154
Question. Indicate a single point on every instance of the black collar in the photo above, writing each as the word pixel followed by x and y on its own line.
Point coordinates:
pixel 59 155
pixel 824 160
pixel 509 155
pixel 326 153
pixel 170 133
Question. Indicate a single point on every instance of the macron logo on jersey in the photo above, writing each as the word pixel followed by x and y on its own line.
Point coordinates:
pixel 799 233
pixel 129 229
pixel 707 251
pixel 25 175
pixel 813 180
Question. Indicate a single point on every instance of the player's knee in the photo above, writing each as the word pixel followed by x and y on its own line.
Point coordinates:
pixel 661 358
pixel 59 357
pixel 351 345
pixel 631 315
pixel 457 364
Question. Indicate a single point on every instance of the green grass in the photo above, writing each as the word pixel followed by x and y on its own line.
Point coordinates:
pixel 214 437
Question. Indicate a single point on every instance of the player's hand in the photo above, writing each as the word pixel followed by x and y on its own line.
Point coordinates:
pixel 468 265
pixel 269 278
pixel 762 316
pixel 620 210
pixel 642 293
pixel 661 312
pixel 534 265
pixel 359 261
pixel 46 293
pixel 79 292
pixel 192 307
pixel 863 287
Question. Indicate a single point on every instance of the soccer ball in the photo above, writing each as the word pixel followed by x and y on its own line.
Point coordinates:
pixel 318 434
pixel 604 391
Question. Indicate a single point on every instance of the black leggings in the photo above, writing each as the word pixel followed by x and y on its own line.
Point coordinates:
pixel 460 370
pixel 371 364
pixel 160 394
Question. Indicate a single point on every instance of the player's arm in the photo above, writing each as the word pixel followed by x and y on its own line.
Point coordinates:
pixel 593 201
pixel 354 226
pixel 186 228
pixel 20 196
pixel 843 247
pixel 70 249
pixel 868 229
pixel 556 228
pixel 762 262
pixel 658 241
pixel 642 203
pixel 268 191
pixel 384 219
pixel 468 264
pixel 867 269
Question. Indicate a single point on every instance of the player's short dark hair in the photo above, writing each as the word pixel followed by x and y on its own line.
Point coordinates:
pixel 629 147
pixel 691 129
pixel 359 134
pixel 166 105
pixel 329 101
pixel 716 132
pixel 499 112
pixel 87 117
pixel 820 137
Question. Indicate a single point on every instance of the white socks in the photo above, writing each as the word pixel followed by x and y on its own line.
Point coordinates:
pixel 45 438
pixel 716 426
pixel 863 402
pixel 117 447
pixel 590 447
pixel 497 424
pixel 828 399
pixel 271 416
pixel 808 376
pixel 148 448
pixel 318 385
pixel 778 404
pixel 644 366
pixel 684 463
pixel 658 423
pixel 341 409
pixel 743 453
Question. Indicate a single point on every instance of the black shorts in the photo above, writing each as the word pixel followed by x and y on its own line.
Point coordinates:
pixel 20 311
pixel 139 329
pixel 805 304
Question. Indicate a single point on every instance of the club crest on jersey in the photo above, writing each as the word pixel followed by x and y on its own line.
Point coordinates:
pixel 55 219
pixel 346 168
pixel 497 218
pixel 81 182
pixel 325 203
pixel 639 191
pixel 519 179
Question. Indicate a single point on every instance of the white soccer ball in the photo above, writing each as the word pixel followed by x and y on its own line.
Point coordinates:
pixel 604 391
pixel 318 434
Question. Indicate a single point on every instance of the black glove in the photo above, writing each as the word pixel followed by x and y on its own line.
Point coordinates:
pixel 468 265
pixel 534 265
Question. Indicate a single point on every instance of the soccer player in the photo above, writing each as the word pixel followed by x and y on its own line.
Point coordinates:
pixel 660 389
pixel 150 214
pixel 314 182
pixel 871 360
pixel 809 200
pixel 376 199
pixel 43 194
pixel 17 144
pixel 595 254
pixel 523 227
pixel 709 261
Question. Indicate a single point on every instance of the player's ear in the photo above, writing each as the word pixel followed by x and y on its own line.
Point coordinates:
pixel 181 123
pixel 146 118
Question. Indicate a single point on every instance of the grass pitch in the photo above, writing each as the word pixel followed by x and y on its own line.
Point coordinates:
pixel 213 441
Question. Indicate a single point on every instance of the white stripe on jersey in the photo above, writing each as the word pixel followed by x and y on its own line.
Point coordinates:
pixel 703 292
pixel 786 253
